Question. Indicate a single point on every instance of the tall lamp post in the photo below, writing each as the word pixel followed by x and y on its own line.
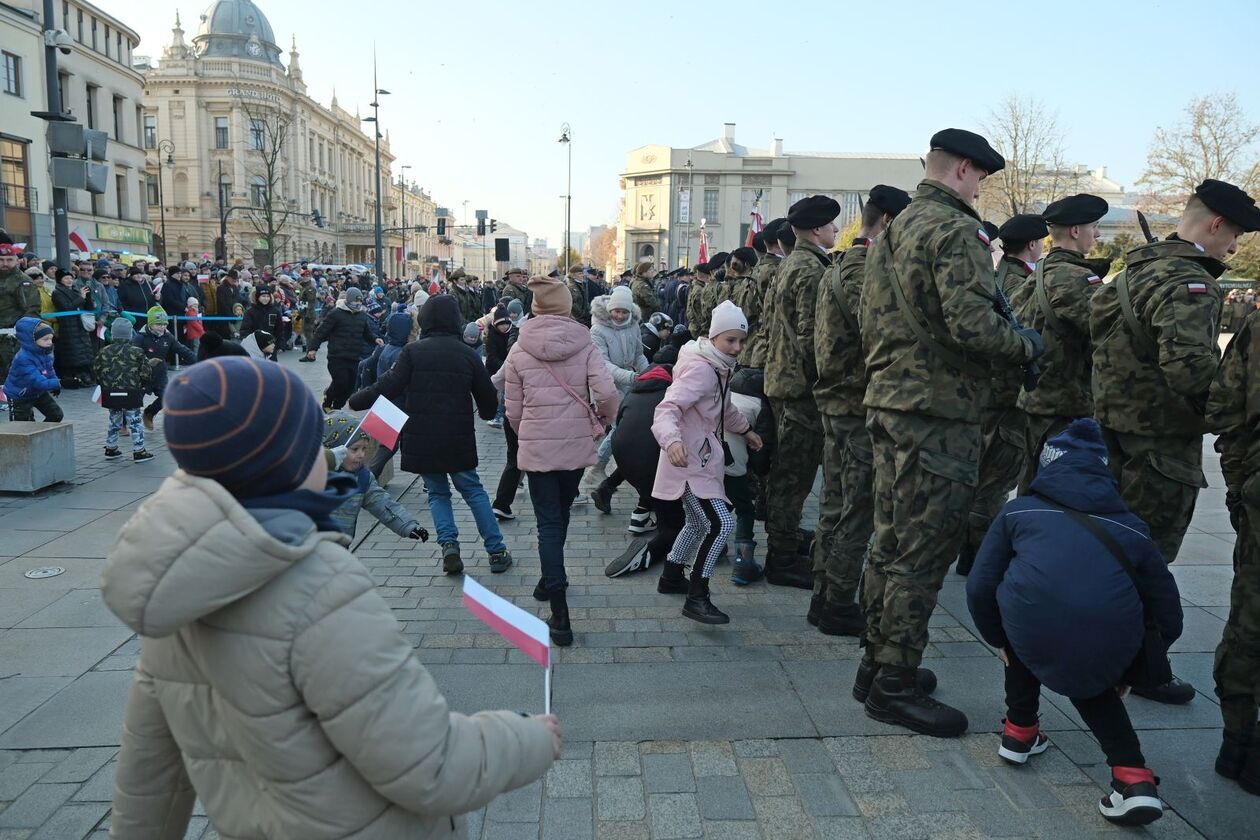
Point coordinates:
pixel 376 126
pixel 167 147
pixel 566 137
pixel 402 182
pixel 690 209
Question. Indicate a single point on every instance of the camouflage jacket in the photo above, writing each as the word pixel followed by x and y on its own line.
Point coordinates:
pixel 1233 408
pixel 1070 281
pixel 841 384
pixel 791 369
pixel 763 275
pixel 19 297
pixel 1177 302
pixel 714 293
pixel 938 252
pixel 695 299
pixel 747 296
pixel 513 291
pixel 1012 276
pixel 581 311
pixel 469 301
pixel 645 297
pixel 121 366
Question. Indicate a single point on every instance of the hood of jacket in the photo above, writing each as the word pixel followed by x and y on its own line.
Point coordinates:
pixel 398 329
pixel 1173 248
pixel 440 314
pixel 655 378
pixel 553 338
pixel 599 312
pixel 1081 481
pixel 25 331
pixel 192 549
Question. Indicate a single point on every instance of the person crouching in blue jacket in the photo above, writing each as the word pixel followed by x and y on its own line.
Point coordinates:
pixel 32 381
pixel 1064 613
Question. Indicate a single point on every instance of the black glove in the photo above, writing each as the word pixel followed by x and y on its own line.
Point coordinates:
pixel 1234 504
pixel 419 534
pixel 1033 336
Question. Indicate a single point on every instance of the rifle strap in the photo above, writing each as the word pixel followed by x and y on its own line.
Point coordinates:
pixel 1141 338
pixel 837 291
pixel 1053 321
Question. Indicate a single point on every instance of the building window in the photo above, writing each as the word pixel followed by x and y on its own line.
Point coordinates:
pixel 107 45
pixel 118 118
pixel 62 79
pixel 710 206
pixel 220 132
pixel 94 35
pixel 13 176
pixel 118 47
pixel 91 105
pixel 65 15
pixel 258 192
pixel 795 196
pixel 80 27
pixel 152 188
pixel 12 74
pixel 225 193
pixel 150 132
pixel 257 134
pixel 120 186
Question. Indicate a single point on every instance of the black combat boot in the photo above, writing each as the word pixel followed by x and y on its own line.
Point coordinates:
pixel 896 698
pixel 561 632
pixel 672 581
pixel 1233 755
pixel 698 607
pixel 784 569
pixel 818 600
pixel 540 592
pixel 866 670
pixel 837 619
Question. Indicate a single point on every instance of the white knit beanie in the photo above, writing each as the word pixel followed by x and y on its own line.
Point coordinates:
pixel 620 298
pixel 727 316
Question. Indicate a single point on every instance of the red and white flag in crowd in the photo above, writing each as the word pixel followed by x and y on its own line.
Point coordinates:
pixel 384 422
pixel 527 632
pixel 96 395
pixel 704 247
pixel 756 224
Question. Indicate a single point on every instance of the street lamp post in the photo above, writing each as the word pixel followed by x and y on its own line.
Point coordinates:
pixel 169 148
pixel 402 193
pixel 566 137
pixel 690 209
pixel 55 113
pixel 376 125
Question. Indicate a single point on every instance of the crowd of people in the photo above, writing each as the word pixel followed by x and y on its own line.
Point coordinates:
pixel 930 367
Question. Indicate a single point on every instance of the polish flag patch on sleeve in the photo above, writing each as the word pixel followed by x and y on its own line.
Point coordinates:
pixel 1197 288
pixel 984 236
pixel 1093 279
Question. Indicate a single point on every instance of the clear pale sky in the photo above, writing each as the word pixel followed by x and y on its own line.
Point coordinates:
pixel 480 89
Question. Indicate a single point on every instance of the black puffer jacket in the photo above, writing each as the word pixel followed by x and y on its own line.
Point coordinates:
pixel 266 318
pixel 345 332
pixel 73 345
pixel 751 383
pixel 633 445
pixel 439 378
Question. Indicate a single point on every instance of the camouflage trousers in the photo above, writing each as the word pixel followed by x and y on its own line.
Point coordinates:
pixel 1237 666
pixel 851 535
pixel 1160 479
pixel 8 349
pixel 926 470
pixel 1038 428
pixel 798 427
pixel 1000 468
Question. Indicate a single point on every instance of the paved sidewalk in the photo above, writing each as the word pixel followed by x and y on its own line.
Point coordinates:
pixel 674 729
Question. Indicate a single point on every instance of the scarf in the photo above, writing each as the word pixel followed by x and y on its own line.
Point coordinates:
pixel 318 506
pixel 712 355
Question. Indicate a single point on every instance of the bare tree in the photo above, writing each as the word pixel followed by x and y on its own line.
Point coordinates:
pixel 266 165
pixel 1027 134
pixel 1215 139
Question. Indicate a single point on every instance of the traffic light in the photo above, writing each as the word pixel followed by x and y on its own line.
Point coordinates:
pixel 494 225
pixel 441 226
pixel 481 227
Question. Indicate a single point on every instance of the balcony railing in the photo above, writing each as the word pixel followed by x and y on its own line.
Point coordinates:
pixel 20 196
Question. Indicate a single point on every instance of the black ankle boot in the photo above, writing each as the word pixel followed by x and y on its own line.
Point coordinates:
pixel 561 632
pixel 897 699
pixel 698 607
pixel 540 592
pixel 866 670
pixel 817 601
pixel 1249 780
pixel 1233 755
pixel 672 581
pixel 839 619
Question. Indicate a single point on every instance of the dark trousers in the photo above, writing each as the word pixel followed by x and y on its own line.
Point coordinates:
pixel 154 407
pixel 343 373
pixel 47 405
pixel 511 477
pixel 1104 714
pixel 552 494
pixel 669 521
pixel 380 458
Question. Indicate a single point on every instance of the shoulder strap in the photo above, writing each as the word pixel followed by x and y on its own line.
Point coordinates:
pixel 1108 542
pixel 1141 337
pixel 837 291
pixel 1053 321
pixel 568 389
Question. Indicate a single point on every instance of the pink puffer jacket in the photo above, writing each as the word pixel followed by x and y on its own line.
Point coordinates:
pixel 554 429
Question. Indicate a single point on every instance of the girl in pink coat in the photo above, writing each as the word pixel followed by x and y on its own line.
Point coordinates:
pixel 689 425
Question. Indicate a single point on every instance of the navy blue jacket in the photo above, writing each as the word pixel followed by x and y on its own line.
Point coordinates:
pixel 160 347
pixel 31 372
pixel 1045 587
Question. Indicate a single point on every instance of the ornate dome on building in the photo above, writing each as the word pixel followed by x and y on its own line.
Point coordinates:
pixel 236 29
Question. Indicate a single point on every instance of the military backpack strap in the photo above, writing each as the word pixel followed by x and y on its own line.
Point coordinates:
pixel 1053 321
pixel 837 291
pixel 1141 338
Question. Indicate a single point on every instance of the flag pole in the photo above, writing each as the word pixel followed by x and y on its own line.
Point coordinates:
pixel 547 689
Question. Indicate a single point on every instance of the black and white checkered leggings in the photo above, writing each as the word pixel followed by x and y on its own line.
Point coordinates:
pixel 709 524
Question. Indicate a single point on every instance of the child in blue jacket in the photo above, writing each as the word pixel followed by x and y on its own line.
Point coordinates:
pixel 1063 612
pixel 32 382
pixel 347 453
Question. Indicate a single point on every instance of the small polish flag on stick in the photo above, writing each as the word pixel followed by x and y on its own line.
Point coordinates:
pixel 384 422
pixel 525 631
pixel 96 395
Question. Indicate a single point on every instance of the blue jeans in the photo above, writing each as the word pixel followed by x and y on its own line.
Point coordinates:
pixel 552 494
pixel 604 452
pixel 469 486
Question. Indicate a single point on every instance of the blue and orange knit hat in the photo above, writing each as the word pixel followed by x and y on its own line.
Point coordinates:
pixel 253 426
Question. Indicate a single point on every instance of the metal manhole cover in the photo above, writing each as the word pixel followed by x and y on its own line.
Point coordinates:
pixel 44 572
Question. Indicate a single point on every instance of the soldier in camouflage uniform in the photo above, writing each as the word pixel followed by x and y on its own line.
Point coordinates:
pixel 581 311
pixel 695 297
pixel 308 303
pixel 790 373
pixel 1154 361
pixel 1233 412
pixel 845 513
pixel 932 339
pixel 717 290
pixel 758 294
pixel 19 297
pixel 746 293
pixel 516 289
pixel 1061 315
pixel 644 295
pixel 1003 426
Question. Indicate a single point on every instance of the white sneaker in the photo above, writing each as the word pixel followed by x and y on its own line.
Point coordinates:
pixel 642 522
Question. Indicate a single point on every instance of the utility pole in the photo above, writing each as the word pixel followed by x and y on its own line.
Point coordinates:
pixel 566 137
pixel 169 148
pixel 690 197
pixel 402 193
pixel 60 199
pixel 377 93
pixel 222 216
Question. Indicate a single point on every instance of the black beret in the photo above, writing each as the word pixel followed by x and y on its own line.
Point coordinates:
pixel 813 212
pixel 774 228
pixel 889 199
pixel 969 145
pixel 991 229
pixel 1079 209
pixel 718 261
pixel 787 236
pixel 1231 202
pixel 759 242
pixel 702 267
pixel 1023 227
pixel 745 255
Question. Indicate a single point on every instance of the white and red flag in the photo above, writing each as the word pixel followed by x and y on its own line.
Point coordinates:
pixel 704 247
pixel 756 225
pixel 527 632
pixel 384 422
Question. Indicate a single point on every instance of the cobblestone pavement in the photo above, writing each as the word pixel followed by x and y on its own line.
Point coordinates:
pixel 674 729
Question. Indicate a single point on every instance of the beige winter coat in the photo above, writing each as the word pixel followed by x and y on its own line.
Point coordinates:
pixel 274 682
